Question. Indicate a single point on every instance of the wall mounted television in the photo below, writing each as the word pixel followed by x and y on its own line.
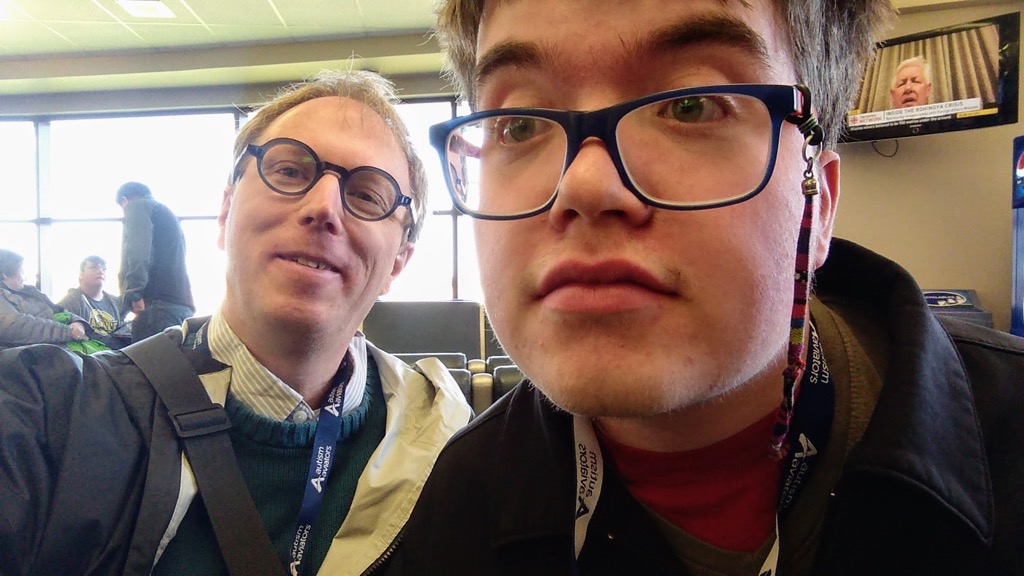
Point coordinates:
pixel 952 78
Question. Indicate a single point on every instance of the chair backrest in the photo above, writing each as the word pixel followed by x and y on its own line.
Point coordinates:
pixel 451 360
pixel 505 379
pixel 454 326
pixel 496 361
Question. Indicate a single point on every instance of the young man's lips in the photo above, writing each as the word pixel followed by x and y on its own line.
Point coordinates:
pixel 605 274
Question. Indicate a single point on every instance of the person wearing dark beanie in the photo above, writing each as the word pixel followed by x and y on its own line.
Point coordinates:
pixel 153 277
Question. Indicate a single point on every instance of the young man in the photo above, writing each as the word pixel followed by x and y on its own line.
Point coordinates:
pixel 153 278
pixel 646 265
pixel 89 300
pixel 324 204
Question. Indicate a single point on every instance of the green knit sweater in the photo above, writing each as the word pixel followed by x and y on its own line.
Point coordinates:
pixel 274 459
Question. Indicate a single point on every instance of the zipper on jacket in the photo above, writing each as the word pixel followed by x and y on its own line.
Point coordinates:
pixel 383 559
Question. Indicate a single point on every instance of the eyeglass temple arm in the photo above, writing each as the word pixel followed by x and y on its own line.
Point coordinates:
pixel 460 145
pixel 805 120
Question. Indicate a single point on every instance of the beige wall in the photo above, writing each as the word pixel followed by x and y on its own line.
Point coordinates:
pixel 941 205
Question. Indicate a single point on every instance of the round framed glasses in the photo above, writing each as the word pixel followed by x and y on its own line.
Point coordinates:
pixel 290 167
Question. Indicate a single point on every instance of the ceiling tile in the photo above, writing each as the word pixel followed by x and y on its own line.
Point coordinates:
pixel 163 34
pixel 15 35
pixel 98 36
pixel 345 14
pixel 233 12
pixel 211 42
pixel 398 14
pixel 63 11
pixel 234 34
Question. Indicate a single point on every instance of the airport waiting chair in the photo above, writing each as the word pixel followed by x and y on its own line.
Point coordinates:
pixel 496 361
pixel 451 360
pixel 482 392
pixel 505 379
pixel 453 326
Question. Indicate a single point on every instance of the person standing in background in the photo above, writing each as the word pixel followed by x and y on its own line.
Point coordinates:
pixel 100 308
pixel 154 281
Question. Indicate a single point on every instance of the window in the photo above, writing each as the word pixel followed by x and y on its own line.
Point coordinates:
pixel 429 275
pixel 68 243
pixel 185 159
pixel 18 165
pixel 206 263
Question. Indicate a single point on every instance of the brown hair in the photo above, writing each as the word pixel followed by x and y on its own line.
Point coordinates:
pixel 369 88
pixel 830 41
pixel 91 260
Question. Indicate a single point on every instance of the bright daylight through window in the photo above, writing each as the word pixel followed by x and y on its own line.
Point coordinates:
pixel 69 213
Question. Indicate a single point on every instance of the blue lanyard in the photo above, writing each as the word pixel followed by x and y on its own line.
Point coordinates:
pixel 811 425
pixel 325 445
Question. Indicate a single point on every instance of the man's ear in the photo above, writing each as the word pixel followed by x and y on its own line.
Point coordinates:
pixel 828 201
pixel 401 259
pixel 222 218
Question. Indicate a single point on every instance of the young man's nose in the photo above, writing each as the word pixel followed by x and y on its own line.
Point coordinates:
pixel 591 189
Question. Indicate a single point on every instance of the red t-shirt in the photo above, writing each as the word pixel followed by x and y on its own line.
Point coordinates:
pixel 724 494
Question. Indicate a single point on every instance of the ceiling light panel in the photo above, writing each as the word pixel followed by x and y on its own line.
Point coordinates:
pixel 146 8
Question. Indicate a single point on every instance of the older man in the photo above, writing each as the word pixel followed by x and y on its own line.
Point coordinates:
pixel 26 314
pixel 652 191
pixel 332 437
pixel 911 83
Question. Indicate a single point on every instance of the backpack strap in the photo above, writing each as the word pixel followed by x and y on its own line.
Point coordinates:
pixel 201 427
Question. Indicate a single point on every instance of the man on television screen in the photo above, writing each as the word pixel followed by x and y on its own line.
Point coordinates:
pixel 912 83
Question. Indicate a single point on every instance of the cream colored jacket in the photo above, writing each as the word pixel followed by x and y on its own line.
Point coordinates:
pixel 424 409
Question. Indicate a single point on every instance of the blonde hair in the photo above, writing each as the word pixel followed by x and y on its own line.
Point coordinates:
pixel 368 88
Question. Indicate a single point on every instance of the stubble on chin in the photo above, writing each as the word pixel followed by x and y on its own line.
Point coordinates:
pixel 612 394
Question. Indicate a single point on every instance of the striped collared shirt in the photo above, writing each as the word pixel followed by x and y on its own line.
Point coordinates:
pixel 266 394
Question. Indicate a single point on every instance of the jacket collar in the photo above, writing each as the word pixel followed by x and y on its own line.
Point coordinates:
pixel 924 429
pixel 534 470
pixel 425 408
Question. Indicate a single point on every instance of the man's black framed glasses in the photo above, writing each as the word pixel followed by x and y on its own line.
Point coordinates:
pixel 687 149
pixel 290 167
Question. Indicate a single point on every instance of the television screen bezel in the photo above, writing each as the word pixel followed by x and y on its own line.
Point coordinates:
pixel 1008 87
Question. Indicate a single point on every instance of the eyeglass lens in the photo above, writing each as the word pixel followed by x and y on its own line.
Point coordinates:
pixel 287 168
pixel 687 151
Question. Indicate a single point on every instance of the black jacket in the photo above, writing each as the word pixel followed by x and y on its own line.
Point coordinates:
pixel 153 256
pixel 80 436
pixel 935 486
pixel 26 317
